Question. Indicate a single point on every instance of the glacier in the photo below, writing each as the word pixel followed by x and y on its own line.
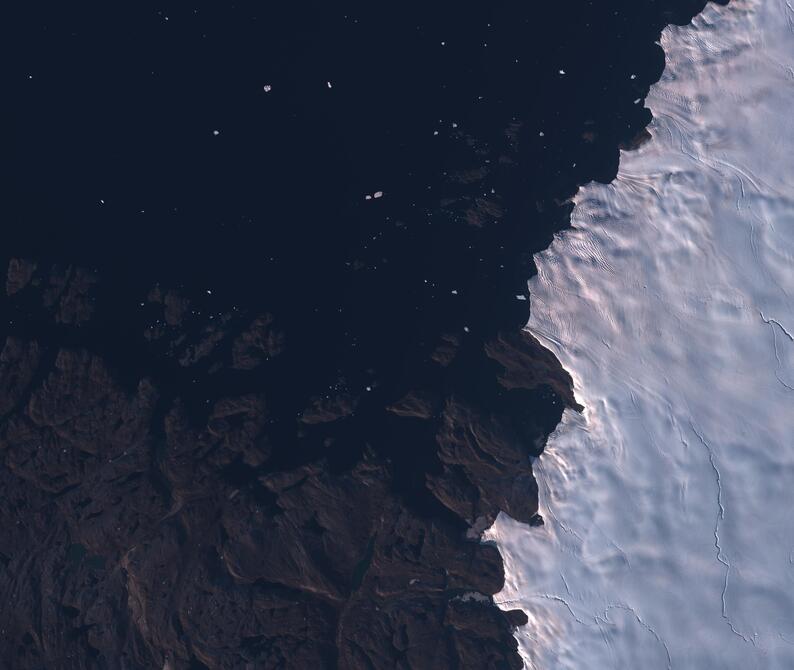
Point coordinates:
pixel 669 502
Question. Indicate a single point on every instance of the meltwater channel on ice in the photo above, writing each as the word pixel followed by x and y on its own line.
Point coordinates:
pixel 669 504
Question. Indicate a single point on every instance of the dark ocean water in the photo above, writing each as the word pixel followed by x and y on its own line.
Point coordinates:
pixel 115 164
pixel 145 146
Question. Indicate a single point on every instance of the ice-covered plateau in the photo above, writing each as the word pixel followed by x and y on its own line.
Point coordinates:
pixel 669 503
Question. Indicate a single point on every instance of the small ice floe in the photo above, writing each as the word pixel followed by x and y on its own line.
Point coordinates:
pixel 216 132
pixel 638 101
pixel 267 88
pixel 541 134
pixel 328 84
pixel 521 297
pixel 562 71
pixel 101 202
pixel 634 76
pixel 375 195
pixel 465 329
pixel 454 291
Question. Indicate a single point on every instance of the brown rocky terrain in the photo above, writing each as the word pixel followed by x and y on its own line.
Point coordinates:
pixel 135 535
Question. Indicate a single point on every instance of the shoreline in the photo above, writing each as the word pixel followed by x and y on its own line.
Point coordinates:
pixel 302 400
